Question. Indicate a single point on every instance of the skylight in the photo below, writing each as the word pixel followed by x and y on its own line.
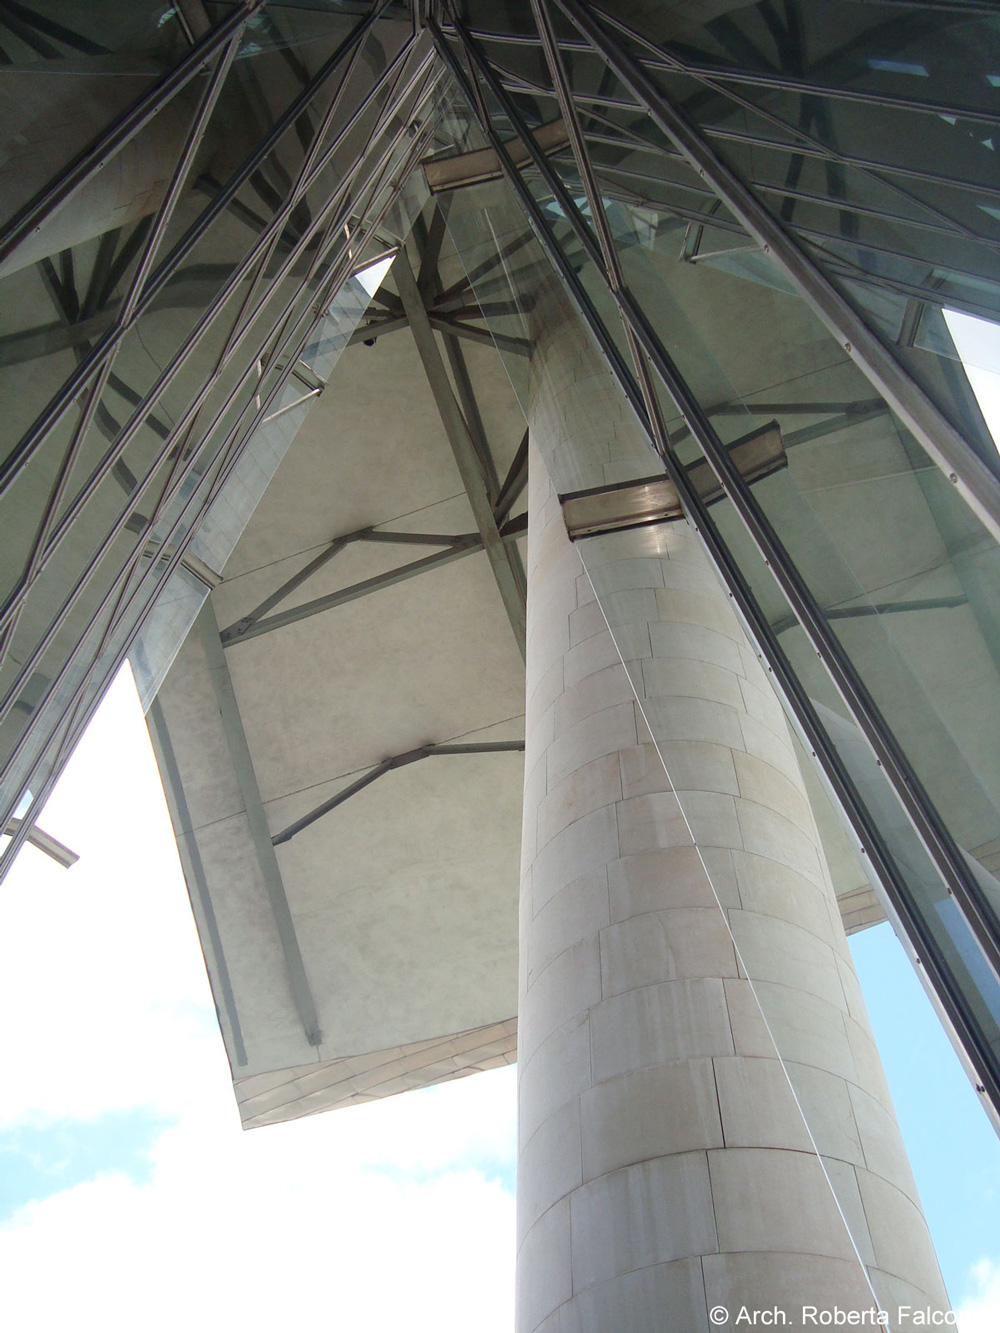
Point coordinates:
pixel 372 277
pixel 978 345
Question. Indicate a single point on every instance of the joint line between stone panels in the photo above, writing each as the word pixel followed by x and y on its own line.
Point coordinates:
pixel 174 786
pixel 764 1019
pixel 318 546
pixel 242 759
pixel 350 773
pixel 467 544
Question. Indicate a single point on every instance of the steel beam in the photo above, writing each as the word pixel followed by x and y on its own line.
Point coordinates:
pixel 485 337
pixel 174 791
pixel 504 563
pixel 463 545
pixel 207 630
pixel 240 627
pixel 45 842
pixel 387 766
pixel 514 482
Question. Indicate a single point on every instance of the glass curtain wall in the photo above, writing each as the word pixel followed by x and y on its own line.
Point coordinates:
pixel 865 580
pixel 167 280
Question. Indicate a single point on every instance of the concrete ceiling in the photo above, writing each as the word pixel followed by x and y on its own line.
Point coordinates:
pixel 401 902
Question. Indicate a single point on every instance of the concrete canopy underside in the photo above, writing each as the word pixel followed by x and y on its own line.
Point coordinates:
pixel 399 941
pixel 402 901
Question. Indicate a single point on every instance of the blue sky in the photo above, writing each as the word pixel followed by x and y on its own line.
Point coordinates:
pixel 953 1148
pixel 37 1160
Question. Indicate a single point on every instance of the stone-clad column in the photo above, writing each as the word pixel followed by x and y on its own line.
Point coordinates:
pixel 665 1166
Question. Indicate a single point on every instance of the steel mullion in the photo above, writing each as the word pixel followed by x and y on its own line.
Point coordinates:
pixel 860 163
pixel 668 63
pixel 339 197
pixel 903 778
pixel 344 247
pixel 167 375
pixel 111 457
pixel 151 243
pixel 306 175
pixel 811 147
pixel 612 270
pixel 228 461
pixel 234 445
pixel 166 498
pixel 763 79
pixel 14 463
pixel 826 201
pixel 873 171
pixel 32 216
pixel 977 485
pixel 935 836
pixel 674 65
pixel 296 189
pixel 950 995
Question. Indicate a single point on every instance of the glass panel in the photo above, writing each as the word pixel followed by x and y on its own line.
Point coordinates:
pixel 625 568
pixel 283 191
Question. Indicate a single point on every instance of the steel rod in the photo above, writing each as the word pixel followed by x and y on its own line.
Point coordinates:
pixel 871 844
pixel 186 521
pixel 30 219
pixel 388 766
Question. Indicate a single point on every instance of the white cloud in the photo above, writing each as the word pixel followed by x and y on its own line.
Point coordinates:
pixel 379 1217
pixel 981 1313
pixel 269 1229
